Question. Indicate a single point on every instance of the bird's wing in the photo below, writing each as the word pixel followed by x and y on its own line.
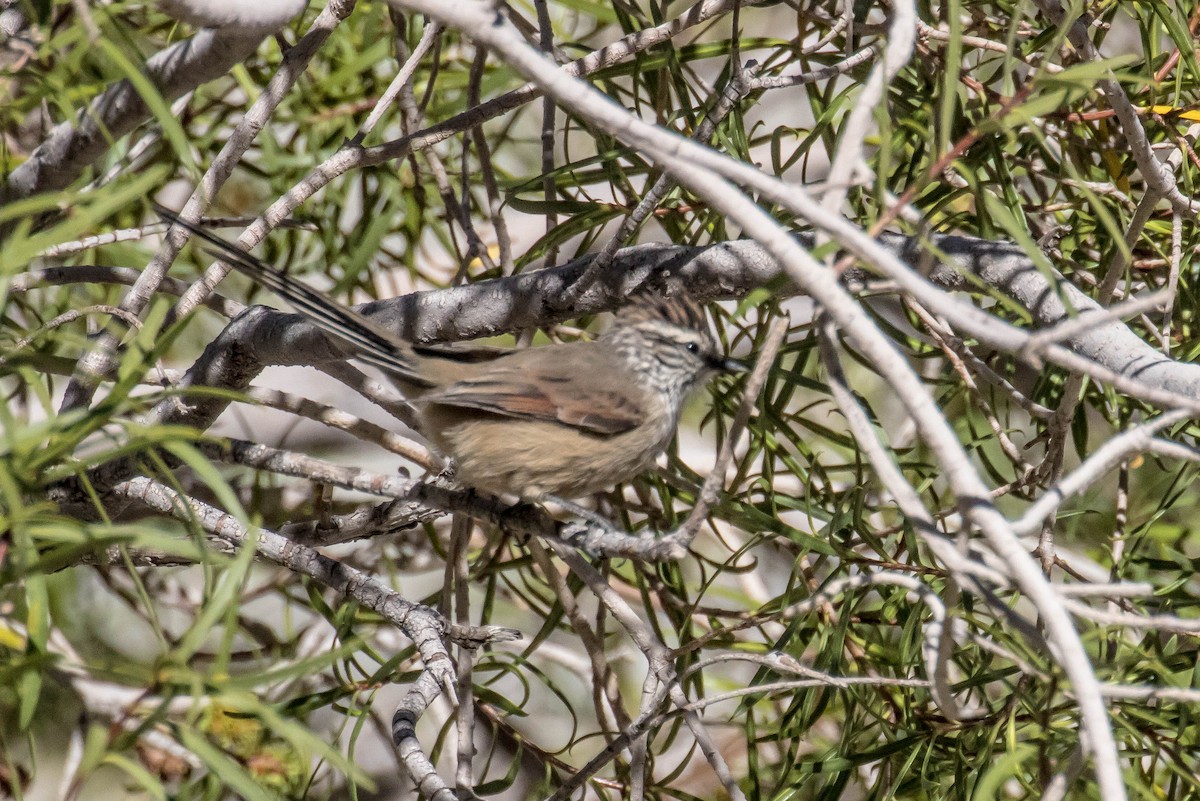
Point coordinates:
pixel 547 394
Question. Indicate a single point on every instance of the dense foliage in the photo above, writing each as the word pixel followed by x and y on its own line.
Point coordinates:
pixel 141 650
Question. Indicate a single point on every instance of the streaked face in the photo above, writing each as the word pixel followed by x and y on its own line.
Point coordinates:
pixel 685 350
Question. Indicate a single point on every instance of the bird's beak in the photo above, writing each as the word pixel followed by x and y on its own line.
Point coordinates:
pixel 731 366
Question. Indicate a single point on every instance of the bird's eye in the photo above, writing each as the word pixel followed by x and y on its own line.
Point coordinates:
pixel 692 347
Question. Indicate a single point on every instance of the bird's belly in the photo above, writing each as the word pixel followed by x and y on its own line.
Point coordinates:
pixel 533 459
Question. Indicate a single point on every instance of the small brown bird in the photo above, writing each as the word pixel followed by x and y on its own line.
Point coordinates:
pixel 562 420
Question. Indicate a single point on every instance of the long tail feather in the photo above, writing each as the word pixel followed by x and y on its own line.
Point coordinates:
pixel 367 341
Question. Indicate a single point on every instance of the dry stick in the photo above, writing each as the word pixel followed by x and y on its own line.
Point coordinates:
pixel 152 229
pixel 926 31
pixel 400 520
pixel 1174 450
pixel 487 172
pixel 1117 545
pixel 99 360
pixel 714 484
pixel 842 23
pixel 381 393
pixel 706 173
pixel 952 354
pixel 658 657
pixel 464 719
pixel 419 623
pixel 299 465
pixel 654 693
pixel 528 520
pixel 852 136
pixel 1115 589
pixel 1172 279
pixel 800 684
pixel 1099 463
pixel 413 495
pixel 910 505
pixel 1088 320
pixel 1136 692
pixel 456 211
pixel 347 159
pixel 351 424
pixel 119 235
pixel 403 78
pixel 736 89
pixel 860 56
pixel 784 663
pixel 604 678
pixel 1164 623
pixel 424 691
pixel 1153 331
pixel 1154 172
pixel 67 317
pixel 546 43
pixel 103 274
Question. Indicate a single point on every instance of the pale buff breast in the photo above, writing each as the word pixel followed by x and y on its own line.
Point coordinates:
pixel 533 459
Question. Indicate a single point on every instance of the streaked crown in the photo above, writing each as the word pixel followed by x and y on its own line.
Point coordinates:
pixel 678 309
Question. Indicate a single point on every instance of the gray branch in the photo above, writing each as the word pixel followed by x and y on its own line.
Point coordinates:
pixel 76 144
pixel 425 627
pixel 262 337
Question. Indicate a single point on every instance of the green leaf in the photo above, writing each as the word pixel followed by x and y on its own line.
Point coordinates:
pixel 159 107
pixel 142 777
pixel 224 597
pixel 231 772
pixel 1003 768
